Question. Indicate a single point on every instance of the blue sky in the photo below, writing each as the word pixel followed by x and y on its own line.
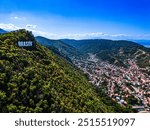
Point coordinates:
pixel 79 19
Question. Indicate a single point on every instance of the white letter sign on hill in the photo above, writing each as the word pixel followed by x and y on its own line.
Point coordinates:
pixel 24 43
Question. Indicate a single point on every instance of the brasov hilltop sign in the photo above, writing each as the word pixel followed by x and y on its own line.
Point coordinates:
pixel 25 43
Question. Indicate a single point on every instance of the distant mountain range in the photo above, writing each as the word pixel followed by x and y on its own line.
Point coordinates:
pixel 96 45
pixel 2 31
pixel 145 43
pixel 58 47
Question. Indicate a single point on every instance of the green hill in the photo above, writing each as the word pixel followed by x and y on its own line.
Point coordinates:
pixel 61 46
pixel 58 47
pixel 33 79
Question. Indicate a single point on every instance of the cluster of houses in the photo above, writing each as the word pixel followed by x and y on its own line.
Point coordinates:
pixel 121 82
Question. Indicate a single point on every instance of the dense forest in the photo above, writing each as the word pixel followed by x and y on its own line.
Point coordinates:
pixel 33 79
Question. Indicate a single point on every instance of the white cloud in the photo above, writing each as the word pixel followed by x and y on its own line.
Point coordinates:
pixel 85 35
pixel 97 35
pixel 120 35
pixel 9 26
pixel 100 35
pixel 45 34
pixel 31 26
pixel 93 35
pixel 17 18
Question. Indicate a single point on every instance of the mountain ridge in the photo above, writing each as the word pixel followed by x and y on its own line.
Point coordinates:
pixel 108 49
pixel 2 31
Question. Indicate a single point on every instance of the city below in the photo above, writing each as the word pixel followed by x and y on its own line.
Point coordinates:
pixel 124 85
